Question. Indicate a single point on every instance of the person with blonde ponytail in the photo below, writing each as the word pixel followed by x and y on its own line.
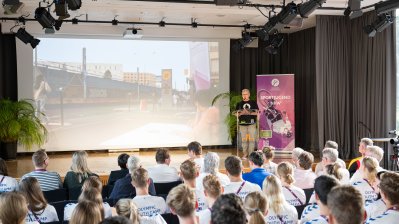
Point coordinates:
pixel 369 167
pixel 256 205
pixel 126 208
pixel 279 210
pixel 293 195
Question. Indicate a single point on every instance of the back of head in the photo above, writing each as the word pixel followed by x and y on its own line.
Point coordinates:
pixel 323 185
pixel 140 178
pixel 333 170
pixel 13 208
pixel 256 158
pixel 116 220
pixel 389 186
pixel 133 163
pixel 195 147
pixel 162 155
pixel 375 152
pixel 331 144
pixel 126 208
pixel 3 167
pixel 330 154
pixel 181 200
pixel 92 182
pixel 305 160
pixel 211 163
pixel 212 186
pixel 79 165
pixel 92 195
pixel 86 212
pixel 273 190
pixel 188 170
pixel 268 152
pixel 256 204
pixel 122 160
pixel 370 164
pixel 227 209
pixel 30 188
pixel 286 172
pixel 296 152
pixel 233 165
pixel 367 141
pixel 346 205
pixel 39 157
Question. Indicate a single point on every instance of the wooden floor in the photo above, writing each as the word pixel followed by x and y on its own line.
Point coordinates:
pixel 103 162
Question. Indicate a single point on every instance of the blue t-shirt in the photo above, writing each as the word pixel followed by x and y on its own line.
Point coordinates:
pixel 256 176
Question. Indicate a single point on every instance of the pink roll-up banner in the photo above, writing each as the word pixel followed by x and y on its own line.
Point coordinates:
pixel 276 101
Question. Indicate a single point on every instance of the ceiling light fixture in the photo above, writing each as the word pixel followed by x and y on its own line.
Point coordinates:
pixel 26 37
pixel 382 22
pixel 307 8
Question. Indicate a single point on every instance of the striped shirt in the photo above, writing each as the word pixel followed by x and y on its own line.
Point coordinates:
pixel 48 180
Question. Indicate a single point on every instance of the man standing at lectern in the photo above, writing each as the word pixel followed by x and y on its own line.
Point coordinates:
pixel 247 112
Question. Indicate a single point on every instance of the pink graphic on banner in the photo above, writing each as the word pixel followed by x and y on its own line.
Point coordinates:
pixel 275 95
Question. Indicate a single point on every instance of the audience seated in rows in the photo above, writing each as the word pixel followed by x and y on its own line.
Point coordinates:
pixel 13 208
pixel 370 151
pixel 257 174
pixel 79 171
pixel 189 174
pixel 268 156
pixel 147 204
pixel 127 208
pixel 367 185
pixel 303 174
pixel 376 207
pixel 228 209
pixel 48 180
pixel 211 166
pixel 38 209
pixel 256 205
pixel 317 213
pixel 118 174
pixel 355 163
pixel 237 185
pixel 331 145
pixel 181 201
pixel 279 209
pixel 345 205
pixel 212 190
pixel 293 195
pixel 162 172
pixel 194 151
pixel 123 187
pixel 86 212
pixel 7 183
pixel 330 156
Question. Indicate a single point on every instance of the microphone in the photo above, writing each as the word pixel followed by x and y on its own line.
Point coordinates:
pixel 367 128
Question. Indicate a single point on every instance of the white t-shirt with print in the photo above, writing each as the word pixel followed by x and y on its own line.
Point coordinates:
pixel 247 188
pixel 8 184
pixel 48 214
pixel 288 215
pixel 200 163
pixel 389 216
pixel 318 220
pixel 68 210
pixel 204 216
pixel 289 196
pixel 375 208
pixel 366 190
pixel 310 212
pixel 156 219
pixel 149 205
pixel 201 201
pixel 271 167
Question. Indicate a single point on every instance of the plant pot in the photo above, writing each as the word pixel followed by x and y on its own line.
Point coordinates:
pixel 8 150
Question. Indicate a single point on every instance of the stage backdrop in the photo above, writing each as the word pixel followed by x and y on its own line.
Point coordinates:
pixel 275 95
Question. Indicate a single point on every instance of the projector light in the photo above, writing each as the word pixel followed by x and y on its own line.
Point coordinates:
pixel 307 8
pixel 44 17
pixel 26 37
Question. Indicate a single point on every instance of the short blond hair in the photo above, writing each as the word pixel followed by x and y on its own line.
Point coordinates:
pixel 188 170
pixel 39 157
pixel 140 177
pixel 367 141
pixel 375 152
pixel 212 186
pixel 181 200
pixel 13 208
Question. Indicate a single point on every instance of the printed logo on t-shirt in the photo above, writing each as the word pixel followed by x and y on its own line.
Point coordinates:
pixel 274 219
pixel 149 210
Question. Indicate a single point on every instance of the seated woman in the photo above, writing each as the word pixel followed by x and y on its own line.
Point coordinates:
pixel 366 187
pixel 6 183
pixel 127 208
pixel 79 171
pixel 13 208
pixel 86 212
pixel 118 174
pixel 38 209
pixel 293 195
pixel 256 205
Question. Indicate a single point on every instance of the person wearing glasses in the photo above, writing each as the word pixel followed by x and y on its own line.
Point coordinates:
pixel 48 180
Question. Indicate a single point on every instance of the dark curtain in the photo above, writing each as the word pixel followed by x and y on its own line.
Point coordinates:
pixel 355 81
pixel 297 56
pixel 8 67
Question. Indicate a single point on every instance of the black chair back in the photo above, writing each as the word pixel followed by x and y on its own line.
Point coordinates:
pixel 74 193
pixel 300 209
pixel 56 195
pixel 164 188
pixel 59 207
pixel 308 193
pixel 170 218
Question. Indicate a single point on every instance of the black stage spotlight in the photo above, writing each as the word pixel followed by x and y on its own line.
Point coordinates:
pixel 274 43
pixel 307 8
pixel 12 6
pixel 74 4
pixel 44 17
pixel 354 9
pixel 387 6
pixel 262 34
pixel 246 39
pixel 61 9
pixel 271 24
pixel 382 22
pixel 26 37
pixel 288 13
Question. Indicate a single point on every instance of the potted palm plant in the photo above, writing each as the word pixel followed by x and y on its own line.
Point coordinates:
pixel 19 125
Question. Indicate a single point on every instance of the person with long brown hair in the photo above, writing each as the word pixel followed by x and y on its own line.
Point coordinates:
pixel 6 183
pixel 38 208
pixel 86 212
pixel 13 208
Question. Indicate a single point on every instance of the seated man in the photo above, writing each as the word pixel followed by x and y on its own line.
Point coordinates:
pixel 147 205
pixel 195 153
pixel 123 187
pixel 212 190
pixel 371 151
pixel 295 154
pixel 332 145
pixel 162 172
pixel 330 156
pixel 355 163
pixel 345 204
pixel 118 174
pixel 237 185
pixel 48 180
pixel 317 213
pixel 189 174
pixel 257 174
pixel 228 209
pixel 211 166
pixel 181 201
pixel 303 174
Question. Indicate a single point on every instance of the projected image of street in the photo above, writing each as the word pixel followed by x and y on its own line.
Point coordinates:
pixel 111 94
